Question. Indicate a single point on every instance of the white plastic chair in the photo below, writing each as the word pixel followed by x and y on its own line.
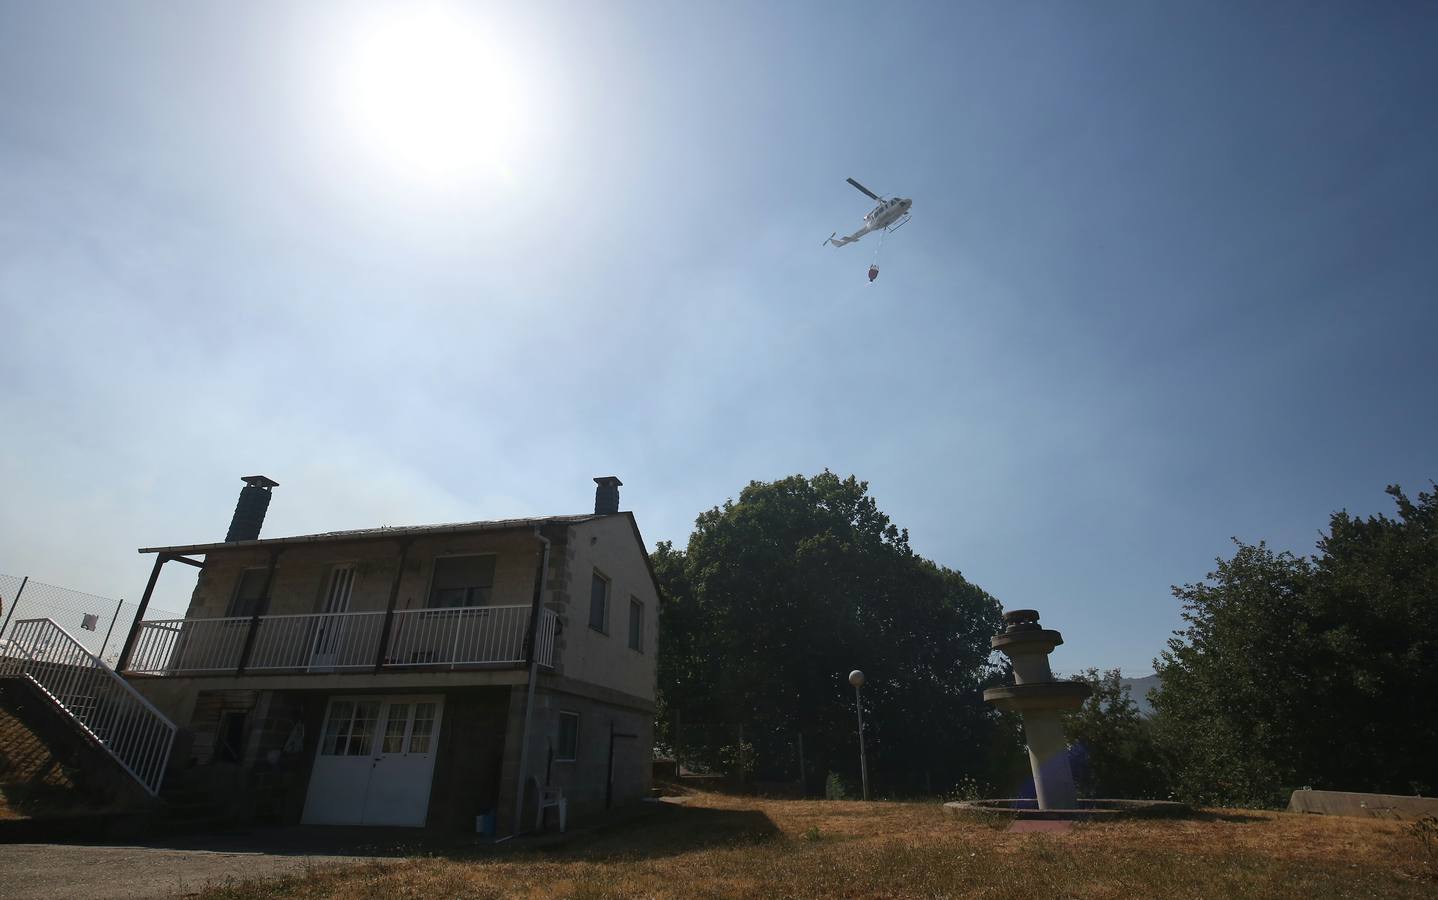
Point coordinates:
pixel 551 797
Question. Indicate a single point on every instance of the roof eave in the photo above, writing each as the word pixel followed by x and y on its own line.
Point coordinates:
pixel 416 531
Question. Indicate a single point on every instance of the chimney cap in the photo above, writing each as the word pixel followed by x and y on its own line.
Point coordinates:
pixel 606 480
pixel 263 481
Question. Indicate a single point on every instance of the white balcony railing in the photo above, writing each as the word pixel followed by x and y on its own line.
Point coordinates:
pixel 327 642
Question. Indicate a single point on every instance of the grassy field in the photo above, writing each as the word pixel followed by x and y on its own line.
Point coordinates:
pixel 716 846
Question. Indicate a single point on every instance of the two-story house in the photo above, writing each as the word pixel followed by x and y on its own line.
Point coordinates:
pixel 428 675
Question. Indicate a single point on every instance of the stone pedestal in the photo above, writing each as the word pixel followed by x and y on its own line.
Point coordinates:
pixel 1039 699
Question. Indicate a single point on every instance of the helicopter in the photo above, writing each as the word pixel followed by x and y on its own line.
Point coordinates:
pixel 889 215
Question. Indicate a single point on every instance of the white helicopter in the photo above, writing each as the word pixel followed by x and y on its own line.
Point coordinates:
pixel 889 215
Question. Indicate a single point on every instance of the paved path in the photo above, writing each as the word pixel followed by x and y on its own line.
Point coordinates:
pixel 61 872
pixel 184 865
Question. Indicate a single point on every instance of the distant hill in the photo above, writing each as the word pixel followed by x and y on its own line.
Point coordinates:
pixel 1138 690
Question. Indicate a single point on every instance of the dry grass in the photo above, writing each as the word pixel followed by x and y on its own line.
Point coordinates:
pixel 740 847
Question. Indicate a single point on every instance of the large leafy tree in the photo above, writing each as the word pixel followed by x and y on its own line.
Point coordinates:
pixel 1111 743
pixel 1316 671
pixel 780 594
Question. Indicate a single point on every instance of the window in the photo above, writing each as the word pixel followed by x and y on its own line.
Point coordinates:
pixel 249 597
pixel 599 603
pixel 394 727
pixel 420 734
pixel 636 624
pixel 230 739
pixel 568 748
pixel 350 728
pixel 462 581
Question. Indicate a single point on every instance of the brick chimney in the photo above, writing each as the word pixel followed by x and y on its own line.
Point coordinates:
pixel 606 496
pixel 250 510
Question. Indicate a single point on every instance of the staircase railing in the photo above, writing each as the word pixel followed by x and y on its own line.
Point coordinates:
pixel 102 703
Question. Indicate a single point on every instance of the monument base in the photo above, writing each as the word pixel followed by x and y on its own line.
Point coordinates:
pixel 1100 809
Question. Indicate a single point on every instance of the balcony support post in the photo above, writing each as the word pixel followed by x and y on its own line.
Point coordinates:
pixel 533 665
pixel 387 629
pixel 123 662
pixel 260 609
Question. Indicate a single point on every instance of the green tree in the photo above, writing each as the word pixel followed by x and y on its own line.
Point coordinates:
pixel 780 594
pixel 1112 744
pixel 1313 671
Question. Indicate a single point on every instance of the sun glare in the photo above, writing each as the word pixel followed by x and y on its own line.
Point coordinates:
pixel 426 90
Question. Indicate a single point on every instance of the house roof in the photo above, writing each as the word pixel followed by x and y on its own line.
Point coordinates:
pixel 383 532
pixel 395 531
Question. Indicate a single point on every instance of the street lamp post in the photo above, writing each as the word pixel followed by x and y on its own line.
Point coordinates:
pixel 856 678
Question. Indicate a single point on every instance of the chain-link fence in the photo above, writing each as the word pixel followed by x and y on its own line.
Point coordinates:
pixel 99 623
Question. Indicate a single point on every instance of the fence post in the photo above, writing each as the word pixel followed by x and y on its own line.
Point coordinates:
pixel 678 749
pixel 803 782
pixel 103 644
pixel 14 603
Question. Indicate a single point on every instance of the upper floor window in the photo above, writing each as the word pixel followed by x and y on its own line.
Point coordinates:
pixel 462 581
pixel 599 603
pixel 249 599
pixel 636 624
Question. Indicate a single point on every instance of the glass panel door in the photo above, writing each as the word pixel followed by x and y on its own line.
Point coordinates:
pixel 404 762
pixel 329 632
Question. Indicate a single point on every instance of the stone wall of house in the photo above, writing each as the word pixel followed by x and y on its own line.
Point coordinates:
pixel 261 779
pixel 585 779
pixel 603 656
pixel 471 749
pixel 301 574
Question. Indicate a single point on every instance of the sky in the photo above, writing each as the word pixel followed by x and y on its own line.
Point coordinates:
pixel 1169 278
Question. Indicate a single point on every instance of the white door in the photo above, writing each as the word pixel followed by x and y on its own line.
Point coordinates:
pixel 404 762
pixel 375 762
pixel 330 630
pixel 343 762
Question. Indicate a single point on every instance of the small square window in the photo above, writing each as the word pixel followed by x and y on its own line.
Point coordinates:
pixel 599 603
pixel 568 748
pixel 636 624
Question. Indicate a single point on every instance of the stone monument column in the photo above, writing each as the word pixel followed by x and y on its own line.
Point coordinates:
pixel 1039 699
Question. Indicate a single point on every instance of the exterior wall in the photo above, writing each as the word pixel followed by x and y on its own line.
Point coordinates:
pixel 584 781
pixel 471 751
pixel 301 572
pixel 174 697
pixel 604 658
pixel 271 781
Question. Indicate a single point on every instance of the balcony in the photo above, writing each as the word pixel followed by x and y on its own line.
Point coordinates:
pixel 419 639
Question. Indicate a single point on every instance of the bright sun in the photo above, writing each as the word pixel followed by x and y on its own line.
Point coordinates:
pixel 427 91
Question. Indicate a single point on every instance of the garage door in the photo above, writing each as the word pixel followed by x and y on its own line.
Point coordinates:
pixel 375 761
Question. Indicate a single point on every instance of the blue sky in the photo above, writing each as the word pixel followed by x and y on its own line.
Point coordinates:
pixel 1169 279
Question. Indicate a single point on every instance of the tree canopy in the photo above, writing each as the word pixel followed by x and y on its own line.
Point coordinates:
pixel 780 594
pixel 1318 671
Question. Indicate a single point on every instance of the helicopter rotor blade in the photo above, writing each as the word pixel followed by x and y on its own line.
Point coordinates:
pixel 864 189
